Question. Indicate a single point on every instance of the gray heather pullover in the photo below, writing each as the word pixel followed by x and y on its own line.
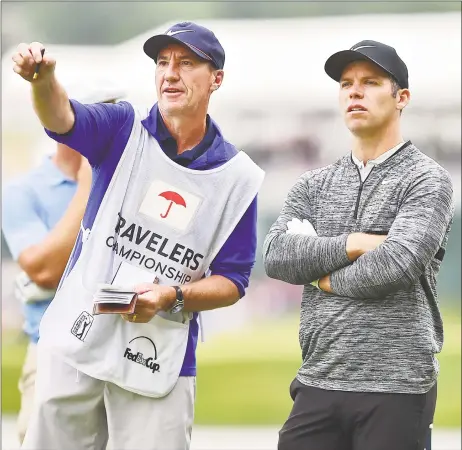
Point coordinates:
pixel 381 329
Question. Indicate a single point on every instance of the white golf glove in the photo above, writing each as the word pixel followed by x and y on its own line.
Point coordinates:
pixel 296 226
pixel 28 292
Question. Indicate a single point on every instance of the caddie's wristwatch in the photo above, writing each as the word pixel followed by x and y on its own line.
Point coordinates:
pixel 179 302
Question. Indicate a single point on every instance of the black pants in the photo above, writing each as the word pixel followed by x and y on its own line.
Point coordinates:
pixel 338 420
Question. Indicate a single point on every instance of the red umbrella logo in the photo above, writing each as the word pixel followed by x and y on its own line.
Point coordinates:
pixel 172 197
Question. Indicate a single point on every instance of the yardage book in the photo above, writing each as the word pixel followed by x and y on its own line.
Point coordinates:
pixel 119 297
pixel 111 299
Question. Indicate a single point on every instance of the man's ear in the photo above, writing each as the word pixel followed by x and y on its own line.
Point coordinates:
pixel 218 79
pixel 404 96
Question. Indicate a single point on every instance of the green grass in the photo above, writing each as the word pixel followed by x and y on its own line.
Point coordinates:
pixel 244 393
pixel 13 354
pixel 243 377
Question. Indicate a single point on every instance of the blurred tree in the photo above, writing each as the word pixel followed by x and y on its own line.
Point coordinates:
pixel 251 9
pixel 72 22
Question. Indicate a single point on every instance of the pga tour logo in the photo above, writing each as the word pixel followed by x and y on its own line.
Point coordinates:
pixel 169 205
pixel 138 357
pixel 82 325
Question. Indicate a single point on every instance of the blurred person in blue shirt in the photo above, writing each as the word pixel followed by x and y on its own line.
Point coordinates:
pixel 41 215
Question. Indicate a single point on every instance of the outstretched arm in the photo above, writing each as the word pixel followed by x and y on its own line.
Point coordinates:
pixel 89 129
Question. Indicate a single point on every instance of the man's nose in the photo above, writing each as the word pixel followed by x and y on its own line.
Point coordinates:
pixel 171 73
pixel 356 91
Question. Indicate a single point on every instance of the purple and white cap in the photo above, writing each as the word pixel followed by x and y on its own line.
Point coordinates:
pixel 198 39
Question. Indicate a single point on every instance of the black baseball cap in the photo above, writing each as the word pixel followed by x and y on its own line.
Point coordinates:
pixel 198 39
pixel 380 54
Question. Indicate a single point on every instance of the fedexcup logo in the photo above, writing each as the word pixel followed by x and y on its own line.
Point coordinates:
pixel 138 357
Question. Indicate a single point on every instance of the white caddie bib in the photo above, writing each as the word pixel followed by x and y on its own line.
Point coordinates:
pixel 156 219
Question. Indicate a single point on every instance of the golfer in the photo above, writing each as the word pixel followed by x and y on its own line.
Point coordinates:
pixel 172 200
pixel 370 323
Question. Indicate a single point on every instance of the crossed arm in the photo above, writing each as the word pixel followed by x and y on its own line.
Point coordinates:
pixel 360 265
pixel 297 258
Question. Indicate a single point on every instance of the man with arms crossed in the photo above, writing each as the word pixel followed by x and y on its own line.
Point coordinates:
pixel 172 200
pixel 370 323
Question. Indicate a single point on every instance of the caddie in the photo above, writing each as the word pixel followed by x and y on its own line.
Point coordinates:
pixel 171 199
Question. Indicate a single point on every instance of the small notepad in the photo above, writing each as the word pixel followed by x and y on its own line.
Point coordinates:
pixel 111 299
pixel 120 297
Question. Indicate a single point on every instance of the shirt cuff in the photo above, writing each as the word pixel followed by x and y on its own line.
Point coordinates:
pixel 56 136
pixel 237 278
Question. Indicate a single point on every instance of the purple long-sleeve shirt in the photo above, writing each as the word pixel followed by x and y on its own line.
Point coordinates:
pixel 101 132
